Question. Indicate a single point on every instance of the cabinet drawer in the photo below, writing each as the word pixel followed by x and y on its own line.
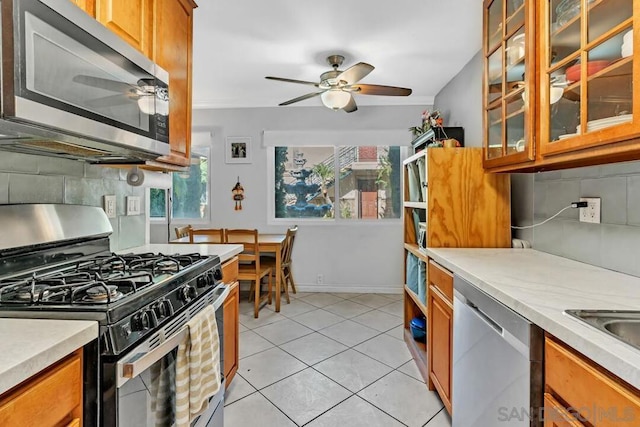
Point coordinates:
pixel 441 279
pixel 52 398
pixel 230 271
pixel 588 390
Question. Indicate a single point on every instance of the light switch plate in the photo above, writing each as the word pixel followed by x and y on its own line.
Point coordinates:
pixel 109 205
pixel 133 205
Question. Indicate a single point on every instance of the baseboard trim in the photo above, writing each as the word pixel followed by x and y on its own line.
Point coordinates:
pixel 358 289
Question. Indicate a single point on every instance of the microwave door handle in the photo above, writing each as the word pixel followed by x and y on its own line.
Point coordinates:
pixel 140 362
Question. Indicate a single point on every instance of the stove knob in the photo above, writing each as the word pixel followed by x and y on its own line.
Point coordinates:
pixel 189 293
pixel 168 307
pixel 140 322
pixel 160 310
pixel 217 274
pixel 153 319
pixel 202 281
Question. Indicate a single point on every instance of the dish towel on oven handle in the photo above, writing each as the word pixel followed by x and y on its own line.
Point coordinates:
pixel 197 367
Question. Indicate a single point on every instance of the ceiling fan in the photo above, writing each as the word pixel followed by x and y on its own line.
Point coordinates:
pixel 336 88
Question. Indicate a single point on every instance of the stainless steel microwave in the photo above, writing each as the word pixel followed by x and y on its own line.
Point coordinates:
pixel 71 88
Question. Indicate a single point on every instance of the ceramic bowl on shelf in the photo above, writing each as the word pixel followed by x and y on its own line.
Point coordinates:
pixel 573 72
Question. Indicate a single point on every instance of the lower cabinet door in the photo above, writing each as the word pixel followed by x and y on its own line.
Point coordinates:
pixel 231 333
pixel 440 345
pixel 555 415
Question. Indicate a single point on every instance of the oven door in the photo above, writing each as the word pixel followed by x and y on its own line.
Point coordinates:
pixel 72 72
pixel 146 382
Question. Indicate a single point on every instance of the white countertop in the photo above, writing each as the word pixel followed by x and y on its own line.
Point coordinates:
pixel 540 287
pixel 27 346
pixel 223 251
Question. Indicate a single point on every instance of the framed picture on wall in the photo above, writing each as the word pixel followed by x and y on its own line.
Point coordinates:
pixel 238 149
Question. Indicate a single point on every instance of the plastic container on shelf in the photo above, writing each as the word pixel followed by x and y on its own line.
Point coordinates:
pixel 418 326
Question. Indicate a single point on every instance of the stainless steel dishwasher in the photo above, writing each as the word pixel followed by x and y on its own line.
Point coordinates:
pixel 497 362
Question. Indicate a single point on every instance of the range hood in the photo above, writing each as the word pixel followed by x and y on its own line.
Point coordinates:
pixel 73 89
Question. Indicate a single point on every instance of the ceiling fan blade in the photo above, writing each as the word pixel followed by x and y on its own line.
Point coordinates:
pixel 302 98
pixel 106 84
pixel 302 82
pixel 351 106
pixel 111 101
pixel 381 90
pixel 356 73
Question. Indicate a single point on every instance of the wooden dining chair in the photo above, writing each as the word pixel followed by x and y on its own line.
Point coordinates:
pixel 286 275
pixel 214 235
pixel 182 231
pixel 250 268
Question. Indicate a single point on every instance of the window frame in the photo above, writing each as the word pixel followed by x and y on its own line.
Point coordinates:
pixel 184 221
pixel 337 220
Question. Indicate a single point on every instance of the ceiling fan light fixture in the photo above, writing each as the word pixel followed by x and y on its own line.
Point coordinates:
pixel 335 99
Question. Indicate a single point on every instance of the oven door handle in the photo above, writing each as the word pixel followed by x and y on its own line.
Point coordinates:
pixel 140 362
pixel 222 297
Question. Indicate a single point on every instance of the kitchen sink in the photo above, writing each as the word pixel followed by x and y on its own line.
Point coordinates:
pixel 624 325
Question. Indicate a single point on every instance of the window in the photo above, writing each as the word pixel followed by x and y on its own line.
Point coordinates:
pixel 367 185
pixel 190 191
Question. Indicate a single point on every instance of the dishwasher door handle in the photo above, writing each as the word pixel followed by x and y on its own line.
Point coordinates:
pixel 488 320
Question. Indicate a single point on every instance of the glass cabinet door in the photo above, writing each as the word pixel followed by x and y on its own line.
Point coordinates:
pixel 587 91
pixel 508 82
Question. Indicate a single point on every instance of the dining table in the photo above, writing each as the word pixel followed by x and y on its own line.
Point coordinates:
pixel 267 244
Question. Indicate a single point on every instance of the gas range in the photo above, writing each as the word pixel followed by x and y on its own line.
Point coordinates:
pixel 55 263
pixel 129 295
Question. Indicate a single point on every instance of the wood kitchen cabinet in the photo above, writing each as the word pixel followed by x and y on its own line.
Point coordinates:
pixel 509 82
pixel 51 398
pixel 231 311
pixel 440 331
pixel 580 392
pixel 173 41
pixel 574 95
pixel 88 6
pixel 132 20
pixel 456 204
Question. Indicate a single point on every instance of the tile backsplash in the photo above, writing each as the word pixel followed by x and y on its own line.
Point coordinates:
pixel 613 243
pixel 38 179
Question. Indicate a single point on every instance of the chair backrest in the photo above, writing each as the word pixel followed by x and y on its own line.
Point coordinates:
pixel 213 235
pixel 182 231
pixel 287 248
pixel 248 238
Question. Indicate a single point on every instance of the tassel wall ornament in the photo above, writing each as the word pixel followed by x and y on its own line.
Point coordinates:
pixel 238 195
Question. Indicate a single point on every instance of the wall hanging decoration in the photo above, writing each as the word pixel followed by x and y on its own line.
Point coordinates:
pixel 238 195
pixel 238 149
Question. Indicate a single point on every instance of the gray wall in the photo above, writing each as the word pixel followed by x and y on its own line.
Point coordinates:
pixel 614 243
pixel 535 197
pixel 461 99
pixel 36 179
pixel 351 257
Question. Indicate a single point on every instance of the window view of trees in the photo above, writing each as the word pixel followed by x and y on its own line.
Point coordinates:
pixel 190 195
pixel 368 182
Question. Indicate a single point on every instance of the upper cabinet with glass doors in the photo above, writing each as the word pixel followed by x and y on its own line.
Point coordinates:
pixel 562 83
pixel 509 72
pixel 588 68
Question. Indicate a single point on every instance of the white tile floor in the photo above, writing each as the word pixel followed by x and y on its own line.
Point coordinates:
pixel 329 360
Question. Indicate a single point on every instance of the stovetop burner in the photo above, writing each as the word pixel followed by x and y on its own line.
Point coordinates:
pixel 100 280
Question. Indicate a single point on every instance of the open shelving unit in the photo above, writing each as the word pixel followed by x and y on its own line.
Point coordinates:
pixel 462 206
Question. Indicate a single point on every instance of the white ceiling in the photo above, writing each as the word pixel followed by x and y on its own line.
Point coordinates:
pixel 419 44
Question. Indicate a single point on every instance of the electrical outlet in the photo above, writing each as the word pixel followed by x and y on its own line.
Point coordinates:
pixel 320 279
pixel 133 205
pixel 592 212
pixel 109 205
